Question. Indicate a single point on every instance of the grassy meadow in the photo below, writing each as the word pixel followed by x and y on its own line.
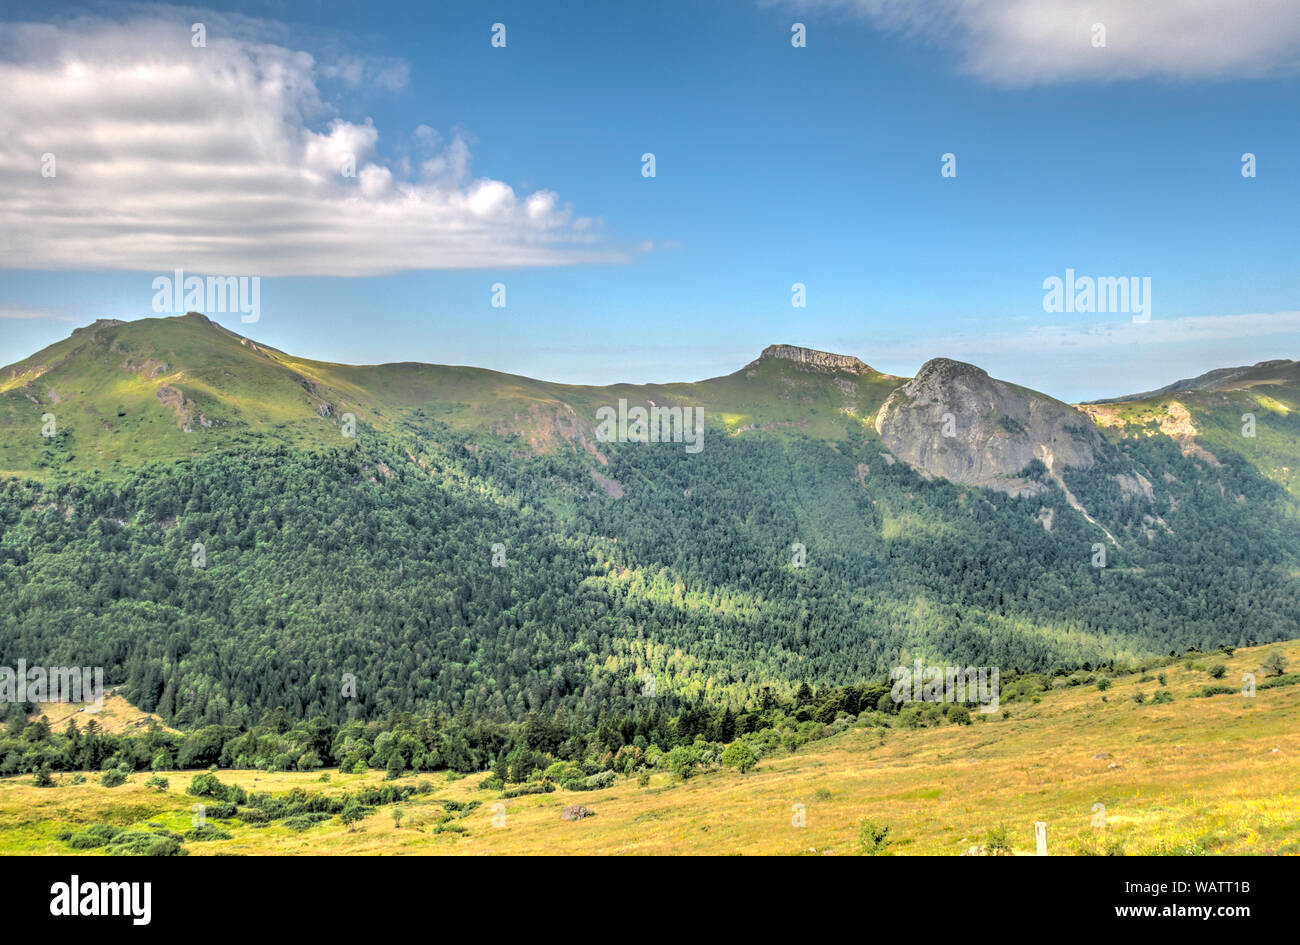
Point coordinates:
pixel 1213 775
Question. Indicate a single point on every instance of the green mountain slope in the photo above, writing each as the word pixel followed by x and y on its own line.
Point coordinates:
pixel 201 527
pixel 161 389
pixel 1247 411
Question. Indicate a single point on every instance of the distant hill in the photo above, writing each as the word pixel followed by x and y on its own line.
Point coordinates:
pixel 1247 411
pixel 1279 372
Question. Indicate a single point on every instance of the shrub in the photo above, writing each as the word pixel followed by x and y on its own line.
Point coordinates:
pixel 205 785
pixel 540 787
pixel 601 781
pixel 739 756
pixel 93 836
pixel 873 838
pixel 145 843
pixel 1092 846
pixel 305 821
pixel 997 842
pixel 353 813
pixel 682 761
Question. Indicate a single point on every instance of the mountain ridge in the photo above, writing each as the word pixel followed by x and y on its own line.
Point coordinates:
pixel 794 547
pixel 123 393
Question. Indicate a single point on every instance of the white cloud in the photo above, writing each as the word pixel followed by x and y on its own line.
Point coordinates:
pixel 18 312
pixel 1022 42
pixel 1043 340
pixel 1089 361
pixel 229 159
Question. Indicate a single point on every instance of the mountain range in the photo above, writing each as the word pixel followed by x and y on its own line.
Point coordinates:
pixel 466 540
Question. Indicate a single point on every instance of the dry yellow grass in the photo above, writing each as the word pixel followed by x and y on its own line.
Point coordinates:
pixel 116 716
pixel 1219 773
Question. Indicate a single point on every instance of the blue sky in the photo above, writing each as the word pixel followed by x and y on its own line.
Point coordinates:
pixel 775 165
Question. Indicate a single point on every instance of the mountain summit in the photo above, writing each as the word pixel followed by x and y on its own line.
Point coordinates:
pixel 813 359
pixel 954 421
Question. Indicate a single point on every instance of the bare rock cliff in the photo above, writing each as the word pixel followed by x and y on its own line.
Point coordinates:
pixel 954 421
pixel 813 360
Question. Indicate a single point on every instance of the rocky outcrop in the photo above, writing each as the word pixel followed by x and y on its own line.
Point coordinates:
pixel 954 421
pixel 823 361
pixel 184 408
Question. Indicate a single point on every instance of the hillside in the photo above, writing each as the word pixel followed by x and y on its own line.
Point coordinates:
pixel 162 389
pixel 203 529
pixel 1216 775
pixel 1247 411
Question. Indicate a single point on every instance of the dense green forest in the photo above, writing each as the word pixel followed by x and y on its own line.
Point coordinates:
pixel 469 577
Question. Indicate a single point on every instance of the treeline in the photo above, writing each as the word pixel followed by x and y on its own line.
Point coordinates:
pixel 401 743
pixel 575 751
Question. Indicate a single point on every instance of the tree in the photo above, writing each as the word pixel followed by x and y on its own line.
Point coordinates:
pixel 1274 663
pixel 352 813
pixel 739 756
pixel 682 761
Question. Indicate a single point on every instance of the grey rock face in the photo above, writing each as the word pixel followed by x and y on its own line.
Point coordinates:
pixel 814 360
pixel 954 421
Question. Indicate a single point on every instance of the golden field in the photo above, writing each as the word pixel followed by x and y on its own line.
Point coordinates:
pixel 1219 775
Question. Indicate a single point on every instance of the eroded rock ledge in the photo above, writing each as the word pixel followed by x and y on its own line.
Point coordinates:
pixel 813 360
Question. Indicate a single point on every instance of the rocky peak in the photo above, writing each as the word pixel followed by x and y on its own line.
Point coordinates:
pixel 813 360
pixel 945 371
pixel 97 325
pixel 954 421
